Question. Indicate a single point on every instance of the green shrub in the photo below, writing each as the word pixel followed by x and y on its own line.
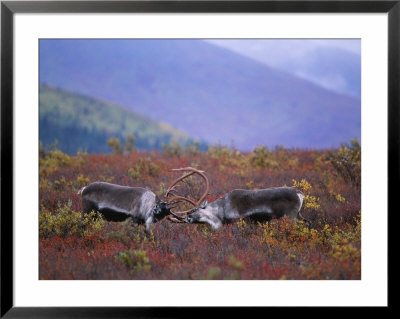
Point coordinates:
pixel 92 223
pixel 143 167
pixel 262 158
pixel 66 222
pixel 220 151
pixel 115 144
pixel 62 223
pixel 61 183
pixel 193 148
pixel 173 150
pixel 135 260
pixel 130 143
pixel 213 273
pixel 347 162
pixel 128 231
pixel 82 180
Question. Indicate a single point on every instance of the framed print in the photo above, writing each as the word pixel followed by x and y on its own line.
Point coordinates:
pixel 164 155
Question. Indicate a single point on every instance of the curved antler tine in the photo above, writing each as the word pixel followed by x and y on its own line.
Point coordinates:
pixel 201 173
pixel 181 198
pixel 177 216
pixel 202 198
pixel 173 189
pixel 188 168
pixel 177 197
pixel 174 220
pixel 176 181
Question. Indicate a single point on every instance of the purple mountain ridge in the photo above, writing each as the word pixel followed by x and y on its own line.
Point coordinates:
pixel 207 91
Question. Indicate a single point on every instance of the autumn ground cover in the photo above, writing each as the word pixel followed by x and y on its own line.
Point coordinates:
pixel 74 248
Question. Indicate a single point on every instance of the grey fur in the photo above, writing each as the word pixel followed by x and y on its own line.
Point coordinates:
pixel 262 205
pixel 117 203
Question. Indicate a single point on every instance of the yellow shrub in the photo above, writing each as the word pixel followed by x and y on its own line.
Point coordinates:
pixel 340 198
pixel 52 161
pixel 344 252
pixel 241 224
pixel 311 202
pixel 303 185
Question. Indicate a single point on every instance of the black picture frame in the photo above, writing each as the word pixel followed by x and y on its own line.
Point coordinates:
pixel 9 8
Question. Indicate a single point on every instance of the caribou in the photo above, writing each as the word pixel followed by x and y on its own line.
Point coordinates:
pixel 257 205
pixel 117 203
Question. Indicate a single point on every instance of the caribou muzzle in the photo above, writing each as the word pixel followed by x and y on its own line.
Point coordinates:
pixel 189 219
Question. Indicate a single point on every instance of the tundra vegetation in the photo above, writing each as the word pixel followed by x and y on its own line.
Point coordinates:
pixel 71 247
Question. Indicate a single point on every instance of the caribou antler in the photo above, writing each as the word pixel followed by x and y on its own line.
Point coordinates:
pixel 175 220
pixel 192 171
pixel 172 188
pixel 176 198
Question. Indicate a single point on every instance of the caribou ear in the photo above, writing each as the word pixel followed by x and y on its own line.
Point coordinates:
pixel 204 204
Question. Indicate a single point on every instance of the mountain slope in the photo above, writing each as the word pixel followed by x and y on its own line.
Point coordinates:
pixel 207 91
pixel 80 122
pixel 318 61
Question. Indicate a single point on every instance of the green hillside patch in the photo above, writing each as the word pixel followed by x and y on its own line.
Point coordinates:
pixel 78 122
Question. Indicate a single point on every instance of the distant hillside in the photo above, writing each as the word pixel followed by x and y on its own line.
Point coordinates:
pixel 80 122
pixel 209 92
pixel 325 65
